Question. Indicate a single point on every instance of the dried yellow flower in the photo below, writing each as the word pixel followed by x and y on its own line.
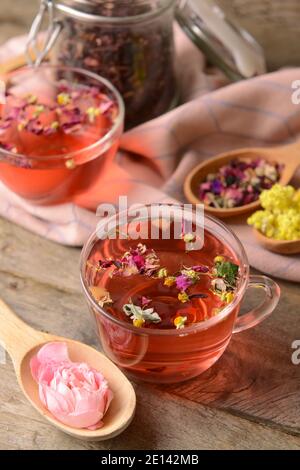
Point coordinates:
pixel 170 281
pixel 179 322
pixel 183 297
pixel 138 322
pixel 162 273
pixel 63 99
pixel 219 259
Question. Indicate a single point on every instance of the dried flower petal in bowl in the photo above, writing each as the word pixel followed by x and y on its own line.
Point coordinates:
pixel 280 217
pixel 238 183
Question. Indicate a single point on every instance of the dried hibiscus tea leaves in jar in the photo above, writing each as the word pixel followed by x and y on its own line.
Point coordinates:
pixel 136 56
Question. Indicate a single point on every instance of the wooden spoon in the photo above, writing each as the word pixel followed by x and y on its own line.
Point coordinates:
pixel 284 247
pixel 22 342
pixel 287 155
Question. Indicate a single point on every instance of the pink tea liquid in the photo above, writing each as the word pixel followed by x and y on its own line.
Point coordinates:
pixel 157 356
pixel 49 171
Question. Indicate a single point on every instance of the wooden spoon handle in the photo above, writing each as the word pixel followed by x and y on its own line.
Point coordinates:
pixel 288 154
pixel 16 337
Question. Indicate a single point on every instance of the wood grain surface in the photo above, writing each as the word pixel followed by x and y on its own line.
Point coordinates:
pixel 274 24
pixel 249 399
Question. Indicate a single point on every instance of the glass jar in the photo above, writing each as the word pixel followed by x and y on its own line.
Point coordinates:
pixel 130 42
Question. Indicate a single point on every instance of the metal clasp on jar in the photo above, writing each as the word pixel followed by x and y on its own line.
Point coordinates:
pixel 34 53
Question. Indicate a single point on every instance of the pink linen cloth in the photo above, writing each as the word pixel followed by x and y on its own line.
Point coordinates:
pixel 155 157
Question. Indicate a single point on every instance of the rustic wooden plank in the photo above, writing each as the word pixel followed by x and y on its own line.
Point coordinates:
pixel 240 382
pixel 255 378
pixel 275 25
pixel 161 422
pixel 27 255
pixel 46 308
pixel 249 399
pixel 265 390
pixel 65 313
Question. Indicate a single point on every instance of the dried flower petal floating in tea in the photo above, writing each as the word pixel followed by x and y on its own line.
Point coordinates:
pixel 73 112
pixel 185 286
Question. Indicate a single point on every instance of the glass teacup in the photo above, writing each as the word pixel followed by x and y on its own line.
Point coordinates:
pixel 174 355
pixel 56 125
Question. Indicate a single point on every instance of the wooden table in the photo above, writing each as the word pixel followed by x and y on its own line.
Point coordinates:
pixel 249 399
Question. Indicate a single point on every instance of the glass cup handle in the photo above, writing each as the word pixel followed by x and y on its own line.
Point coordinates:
pixel 258 314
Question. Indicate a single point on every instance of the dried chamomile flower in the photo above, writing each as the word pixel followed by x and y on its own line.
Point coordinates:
pixel 180 322
pixel 101 295
pixel 183 297
pixel 189 237
pixel 140 315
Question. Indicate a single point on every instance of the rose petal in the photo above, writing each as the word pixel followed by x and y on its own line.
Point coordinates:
pixel 56 403
pixel 53 352
pixel 86 401
pixel 81 420
pixel 109 397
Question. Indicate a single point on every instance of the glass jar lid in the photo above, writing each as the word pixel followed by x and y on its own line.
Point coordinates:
pixel 224 43
pixel 114 10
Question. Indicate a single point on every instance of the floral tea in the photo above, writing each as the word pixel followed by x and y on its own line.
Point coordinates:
pixel 157 286
pixel 49 136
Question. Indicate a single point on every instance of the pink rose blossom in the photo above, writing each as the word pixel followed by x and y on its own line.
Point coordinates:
pixel 75 393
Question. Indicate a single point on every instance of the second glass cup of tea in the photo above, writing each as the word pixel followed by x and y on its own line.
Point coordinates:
pixel 166 355
pixel 58 126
